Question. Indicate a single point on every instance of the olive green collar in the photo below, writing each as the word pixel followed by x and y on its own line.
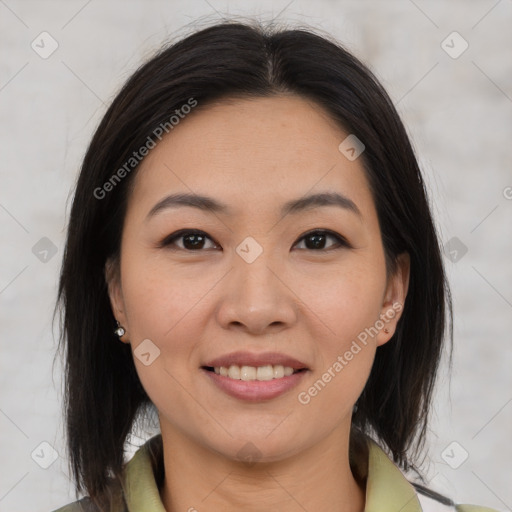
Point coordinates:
pixel 386 486
pixel 387 489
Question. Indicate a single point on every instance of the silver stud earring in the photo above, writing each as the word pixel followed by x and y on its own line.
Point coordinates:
pixel 120 331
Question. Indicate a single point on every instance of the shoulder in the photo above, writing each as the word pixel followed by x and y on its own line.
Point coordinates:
pixel 430 504
pixel 432 501
pixel 86 505
pixel 140 480
pixel 387 484
pixel 83 505
pixel 473 508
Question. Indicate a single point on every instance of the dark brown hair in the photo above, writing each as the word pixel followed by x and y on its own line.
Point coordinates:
pixel 230 59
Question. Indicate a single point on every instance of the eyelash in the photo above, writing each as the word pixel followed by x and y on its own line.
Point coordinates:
pixel 169 240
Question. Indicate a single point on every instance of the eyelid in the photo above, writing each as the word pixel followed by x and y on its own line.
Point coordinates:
pixel 168 240
pixel 342 241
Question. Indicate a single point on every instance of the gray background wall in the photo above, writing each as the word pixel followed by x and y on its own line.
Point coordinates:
pixel 458 112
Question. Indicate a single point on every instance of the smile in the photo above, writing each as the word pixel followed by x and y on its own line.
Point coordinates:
pixel 254 384
pixel 248 373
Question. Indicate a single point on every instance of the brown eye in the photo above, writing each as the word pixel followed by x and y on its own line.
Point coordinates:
pixel 317 240
pixel 188 240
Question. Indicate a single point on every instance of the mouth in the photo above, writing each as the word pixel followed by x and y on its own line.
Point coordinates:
pixel 251 373
pixel 254 377
pixel 254 384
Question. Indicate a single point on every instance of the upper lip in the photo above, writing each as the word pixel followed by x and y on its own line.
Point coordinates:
pixel 242 358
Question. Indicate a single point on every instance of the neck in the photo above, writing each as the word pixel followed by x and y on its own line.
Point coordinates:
pixel 318 478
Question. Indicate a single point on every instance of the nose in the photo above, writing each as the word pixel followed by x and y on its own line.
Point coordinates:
pixel 256 298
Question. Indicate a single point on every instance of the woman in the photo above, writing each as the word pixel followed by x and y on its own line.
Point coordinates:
pixel 251 254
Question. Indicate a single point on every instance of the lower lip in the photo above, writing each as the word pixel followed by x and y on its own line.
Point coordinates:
pixel 255 390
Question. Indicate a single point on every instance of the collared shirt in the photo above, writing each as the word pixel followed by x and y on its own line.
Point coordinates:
pixel 387 489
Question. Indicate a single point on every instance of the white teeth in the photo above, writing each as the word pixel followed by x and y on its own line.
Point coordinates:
pixel 278 371
pixel 234 372
pixel 247 373
pixel 267 372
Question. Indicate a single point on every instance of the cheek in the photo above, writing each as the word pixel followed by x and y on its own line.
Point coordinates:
pixel 348 305
pixel 345 347
pixel 348 301
pixel 171 314
pixel 159 298
pixel 170 308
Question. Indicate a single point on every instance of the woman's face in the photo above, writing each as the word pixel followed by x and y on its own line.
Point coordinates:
pixel 270 284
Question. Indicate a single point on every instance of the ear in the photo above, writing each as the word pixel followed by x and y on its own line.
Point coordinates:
pixel 394 298
pixel 113 280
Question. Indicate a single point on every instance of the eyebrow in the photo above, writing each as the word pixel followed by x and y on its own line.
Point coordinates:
pixel 206 203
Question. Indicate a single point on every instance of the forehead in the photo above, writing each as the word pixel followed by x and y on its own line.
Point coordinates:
pixel 246 151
